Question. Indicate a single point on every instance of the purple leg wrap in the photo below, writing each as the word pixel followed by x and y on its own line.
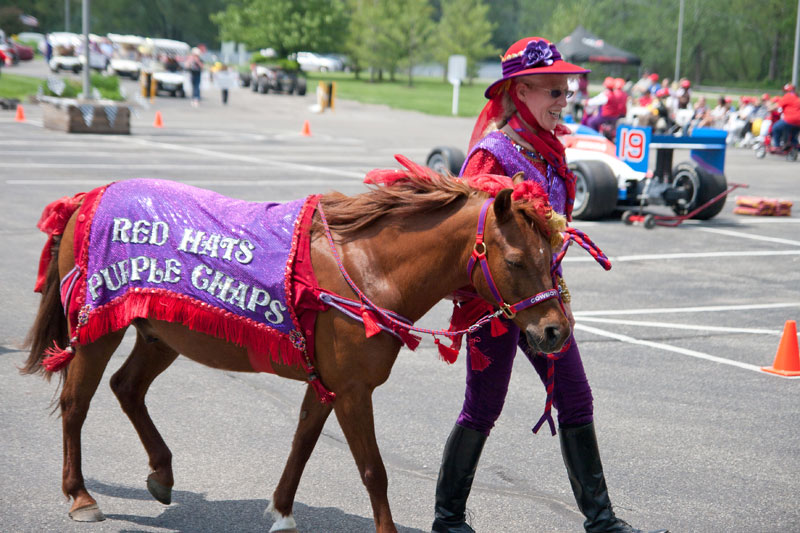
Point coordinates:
pixel 486 390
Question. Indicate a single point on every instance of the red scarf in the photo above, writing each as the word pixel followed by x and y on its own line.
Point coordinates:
pixel 546 144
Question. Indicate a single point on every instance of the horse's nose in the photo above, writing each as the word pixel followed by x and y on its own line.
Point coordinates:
pixel 550 340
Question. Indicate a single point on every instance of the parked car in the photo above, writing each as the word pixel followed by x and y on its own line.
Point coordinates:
pixel 274 78
pixel 24 53
pixel 309 61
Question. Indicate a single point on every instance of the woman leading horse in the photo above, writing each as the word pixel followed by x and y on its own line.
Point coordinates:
pixel 189 270
pixel 516 132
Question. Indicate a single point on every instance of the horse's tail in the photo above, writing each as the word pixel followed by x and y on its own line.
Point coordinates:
pixel 50 327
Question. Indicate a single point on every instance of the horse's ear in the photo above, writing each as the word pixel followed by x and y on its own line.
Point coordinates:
pixel 502 205
pixel 518 178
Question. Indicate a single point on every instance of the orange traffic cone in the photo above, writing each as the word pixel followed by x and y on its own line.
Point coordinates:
pixel 20 114
pixel 306 131
pixel 158 122
pixel 787 360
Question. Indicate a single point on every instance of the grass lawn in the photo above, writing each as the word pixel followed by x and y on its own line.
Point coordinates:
pixel 427 95
pixel 13 86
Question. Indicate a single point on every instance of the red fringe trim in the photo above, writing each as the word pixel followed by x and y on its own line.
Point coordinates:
pixel 198 316
pixel 57 358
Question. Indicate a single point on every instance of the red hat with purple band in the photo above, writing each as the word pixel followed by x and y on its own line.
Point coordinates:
pixel 530 56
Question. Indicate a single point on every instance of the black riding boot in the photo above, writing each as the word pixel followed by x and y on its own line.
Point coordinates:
pixel 582 459
pixel 459 461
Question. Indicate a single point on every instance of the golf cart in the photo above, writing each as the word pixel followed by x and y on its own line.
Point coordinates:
pixel 164 64
pixel 126 58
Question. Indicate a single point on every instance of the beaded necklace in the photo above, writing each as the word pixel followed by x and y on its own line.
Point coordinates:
pixel 530 154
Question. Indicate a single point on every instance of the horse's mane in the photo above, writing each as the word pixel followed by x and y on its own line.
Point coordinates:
pixel 404 194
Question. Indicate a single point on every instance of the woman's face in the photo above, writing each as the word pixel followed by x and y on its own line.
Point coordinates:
pixel 536 92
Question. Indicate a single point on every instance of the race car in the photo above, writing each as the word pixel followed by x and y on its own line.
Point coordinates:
pixel 614 178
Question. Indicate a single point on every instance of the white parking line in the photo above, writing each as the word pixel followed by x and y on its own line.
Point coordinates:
pixel 675 349
pixel 250 159
pixel 742 235
pixel 682 255
pixel 672 325
pixel 674 310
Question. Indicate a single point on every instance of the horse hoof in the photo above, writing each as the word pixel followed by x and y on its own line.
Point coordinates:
pixel 159 491
pixel 90 513
pixel 283 524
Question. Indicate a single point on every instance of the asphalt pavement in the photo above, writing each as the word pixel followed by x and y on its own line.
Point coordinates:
pixel 693 435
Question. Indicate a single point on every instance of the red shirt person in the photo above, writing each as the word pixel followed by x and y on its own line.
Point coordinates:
pixel 786 129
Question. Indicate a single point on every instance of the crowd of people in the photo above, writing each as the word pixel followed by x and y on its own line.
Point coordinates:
pixel 668 107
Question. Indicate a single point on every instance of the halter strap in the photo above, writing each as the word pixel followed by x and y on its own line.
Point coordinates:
pixel 479 256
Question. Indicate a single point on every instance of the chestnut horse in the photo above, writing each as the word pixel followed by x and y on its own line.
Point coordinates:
pixel 406 245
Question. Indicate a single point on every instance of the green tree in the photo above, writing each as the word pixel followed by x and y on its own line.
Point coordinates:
pixel 361 43
pixel 9 20
pixel 464 29
pixel 285 25
pixel 406 39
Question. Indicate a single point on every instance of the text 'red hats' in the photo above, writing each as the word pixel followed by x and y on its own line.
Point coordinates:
pixel 529 56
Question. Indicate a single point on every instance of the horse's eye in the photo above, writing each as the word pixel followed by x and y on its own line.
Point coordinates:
pixel 514 264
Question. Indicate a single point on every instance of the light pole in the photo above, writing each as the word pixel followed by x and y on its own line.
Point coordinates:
pixel 66 15
pixel 86 83
pixel 680 39
pixel 796 57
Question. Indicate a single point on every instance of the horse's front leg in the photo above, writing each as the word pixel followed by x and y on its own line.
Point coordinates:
pixel 354 411
pixel 313 415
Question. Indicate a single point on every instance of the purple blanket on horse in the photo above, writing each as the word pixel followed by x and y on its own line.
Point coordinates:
pixel 169 251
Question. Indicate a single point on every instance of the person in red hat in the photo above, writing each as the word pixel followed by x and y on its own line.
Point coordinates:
pixel 786 129
pixel 684 94
pixel 612 104
pixel 517 132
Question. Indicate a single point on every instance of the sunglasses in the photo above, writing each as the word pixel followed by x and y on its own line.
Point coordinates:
pixel 555 94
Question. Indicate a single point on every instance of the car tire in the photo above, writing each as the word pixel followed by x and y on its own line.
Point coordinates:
pixel 701 186
pixel 595 190
pixel 446 160
pixel 301 87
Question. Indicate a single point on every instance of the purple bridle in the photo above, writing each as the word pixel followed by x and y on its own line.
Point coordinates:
pixel 479 257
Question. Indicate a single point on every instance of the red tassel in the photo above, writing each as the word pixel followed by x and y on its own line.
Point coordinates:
pixel 478 360
pixel 371 327
pixel 57 358
pixel 411 341
pixel 498 328
pixel 323 394
pixel 447 354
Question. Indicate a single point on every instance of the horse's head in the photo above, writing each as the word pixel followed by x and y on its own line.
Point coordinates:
pixel 518 253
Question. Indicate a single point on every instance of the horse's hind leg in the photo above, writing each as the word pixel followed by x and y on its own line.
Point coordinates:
pixel 130 383
pixel 313 415
pixel 83 375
